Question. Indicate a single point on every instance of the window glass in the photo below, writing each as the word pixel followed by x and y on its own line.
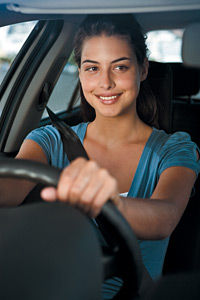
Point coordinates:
pixel 11 41
pixel 64 89
pixel 165 45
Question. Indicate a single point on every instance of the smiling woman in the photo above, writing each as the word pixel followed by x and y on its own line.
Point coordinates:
pixel 110 80
pixel 127 151
pixel 146 107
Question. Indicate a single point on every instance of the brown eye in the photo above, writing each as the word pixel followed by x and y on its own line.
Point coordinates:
pixel 91 69
pixel 121 68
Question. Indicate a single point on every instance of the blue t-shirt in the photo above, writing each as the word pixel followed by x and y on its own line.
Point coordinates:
pixel 160 152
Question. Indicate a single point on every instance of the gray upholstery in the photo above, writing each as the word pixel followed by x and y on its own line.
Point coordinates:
pixel 191 45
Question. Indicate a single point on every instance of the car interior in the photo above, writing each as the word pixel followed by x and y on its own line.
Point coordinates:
pixel 24 94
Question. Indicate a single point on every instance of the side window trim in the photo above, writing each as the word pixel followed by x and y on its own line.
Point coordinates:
pixel 47 38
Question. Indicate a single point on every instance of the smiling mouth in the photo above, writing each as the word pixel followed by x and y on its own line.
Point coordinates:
pixel 108 99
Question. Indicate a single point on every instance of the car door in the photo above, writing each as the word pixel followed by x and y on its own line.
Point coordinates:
pixel 31 78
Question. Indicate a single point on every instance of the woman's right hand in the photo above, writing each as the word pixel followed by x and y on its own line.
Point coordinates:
pixel 86 185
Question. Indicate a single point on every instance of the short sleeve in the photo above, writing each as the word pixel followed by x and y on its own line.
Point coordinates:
pixel 180 151
pixel 48 138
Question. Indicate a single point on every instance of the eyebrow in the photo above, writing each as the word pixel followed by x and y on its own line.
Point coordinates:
pixel 112 62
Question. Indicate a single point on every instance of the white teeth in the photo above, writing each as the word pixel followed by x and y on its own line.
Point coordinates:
pixel 107 98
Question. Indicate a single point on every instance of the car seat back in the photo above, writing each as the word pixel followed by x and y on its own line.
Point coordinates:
pixel 160 80
pixel 185 82
pixel 186 100
pixel 183 254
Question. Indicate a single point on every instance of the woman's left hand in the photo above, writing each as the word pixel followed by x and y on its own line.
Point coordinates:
pixel 86 185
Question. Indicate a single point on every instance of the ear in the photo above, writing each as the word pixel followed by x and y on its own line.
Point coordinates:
pixel 144 69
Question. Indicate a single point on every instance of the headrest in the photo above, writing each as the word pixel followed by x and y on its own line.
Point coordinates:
pixel 185 80
pixel 191 46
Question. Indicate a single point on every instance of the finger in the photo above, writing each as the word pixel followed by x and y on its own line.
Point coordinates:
pixel 81 182
pixel 88 194
pixel 94 186
pixel 95 198
pixel 108 192
pixel 68 177
pixel 49 194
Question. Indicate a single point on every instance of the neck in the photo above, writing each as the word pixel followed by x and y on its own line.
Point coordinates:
pixel 112 132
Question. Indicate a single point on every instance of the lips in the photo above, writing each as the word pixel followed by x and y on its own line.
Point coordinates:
pixel 108 99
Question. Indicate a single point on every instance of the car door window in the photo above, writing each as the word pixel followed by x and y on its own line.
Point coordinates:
pixel 11 41
pixel 64 89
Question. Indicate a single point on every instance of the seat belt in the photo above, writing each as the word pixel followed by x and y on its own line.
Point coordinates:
pixel 71 142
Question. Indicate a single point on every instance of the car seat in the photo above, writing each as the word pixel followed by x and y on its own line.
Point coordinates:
pixel 186 101
pixel 160 80
pixel 183 253
pixel 170 82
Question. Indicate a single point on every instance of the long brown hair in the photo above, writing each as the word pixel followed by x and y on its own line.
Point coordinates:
pixel 123 25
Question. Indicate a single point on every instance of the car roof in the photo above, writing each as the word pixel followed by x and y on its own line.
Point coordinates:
pixel 151 14
pixel 112 6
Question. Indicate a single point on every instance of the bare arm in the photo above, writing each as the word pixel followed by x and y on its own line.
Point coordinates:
pixel 13 191
pixel 157 217
pixel 88 186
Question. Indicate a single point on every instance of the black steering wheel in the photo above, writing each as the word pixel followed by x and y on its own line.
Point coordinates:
pixel 123 258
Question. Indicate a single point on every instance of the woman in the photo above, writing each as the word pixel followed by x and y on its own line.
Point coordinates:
pixel 154 172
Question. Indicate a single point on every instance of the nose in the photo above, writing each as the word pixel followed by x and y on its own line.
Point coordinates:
pixel 106 80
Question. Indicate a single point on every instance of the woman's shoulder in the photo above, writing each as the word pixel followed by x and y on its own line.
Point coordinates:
pixel 176 149
pixel 165 140
pixel 44 131
pixel 178 145
pixel 50 130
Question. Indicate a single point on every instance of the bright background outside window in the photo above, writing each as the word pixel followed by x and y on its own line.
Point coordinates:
pixel 11 41
pixel 165 45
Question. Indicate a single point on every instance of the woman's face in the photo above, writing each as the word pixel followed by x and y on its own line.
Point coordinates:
pixel 110 75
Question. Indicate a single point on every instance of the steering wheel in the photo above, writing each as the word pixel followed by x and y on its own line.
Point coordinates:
pixel 123 258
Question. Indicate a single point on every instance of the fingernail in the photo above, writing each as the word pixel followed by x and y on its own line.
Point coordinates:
pixel 49 194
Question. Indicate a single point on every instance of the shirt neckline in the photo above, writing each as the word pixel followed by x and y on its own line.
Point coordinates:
pixel 144 152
